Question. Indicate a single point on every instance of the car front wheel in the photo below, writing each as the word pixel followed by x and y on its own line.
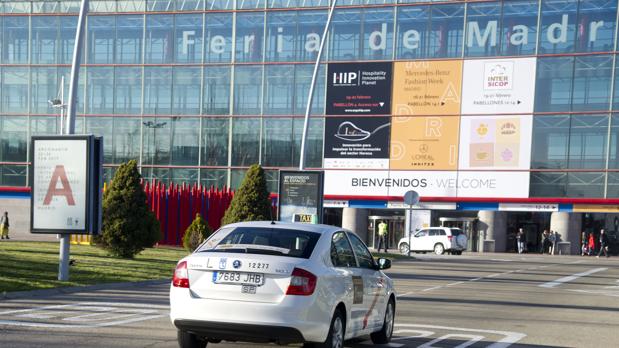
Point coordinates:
pixel 404 249
pixel 189 340
pixel 384 335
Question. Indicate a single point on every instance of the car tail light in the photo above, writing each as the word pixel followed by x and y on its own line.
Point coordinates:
pixel 181 276
pixel 302 283
pixel 450 238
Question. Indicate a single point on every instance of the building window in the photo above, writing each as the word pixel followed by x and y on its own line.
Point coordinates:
pixel 186 90
pixel 188 33
pixel 249 36
pixel 159 39
pixel 216 90
pixel 245 141
pixel 14 140
pixel 157 90
pixel 279 97
pixel 248 90
pixel 215 135
pixel 101 39
pixel 15 39
pixel 128 87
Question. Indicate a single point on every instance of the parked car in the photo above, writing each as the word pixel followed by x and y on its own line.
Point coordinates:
pixel 436 239
pixel 284 283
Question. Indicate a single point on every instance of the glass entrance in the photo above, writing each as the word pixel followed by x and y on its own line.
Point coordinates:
pixel 468 225
pixel 395 228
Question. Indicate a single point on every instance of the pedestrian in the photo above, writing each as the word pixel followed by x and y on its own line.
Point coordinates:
pixel 583 243
pixel 544 243
pixel 591 244
pixel 4 226
pixel 521 240
pixel 382 235
pixel 552 239
pixel 603 244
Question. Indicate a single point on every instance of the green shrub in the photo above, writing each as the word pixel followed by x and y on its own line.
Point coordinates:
pixel 251 201
pixel 128 225
pixel 196 233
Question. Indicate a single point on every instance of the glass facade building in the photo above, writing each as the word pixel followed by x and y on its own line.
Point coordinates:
pixel 198 90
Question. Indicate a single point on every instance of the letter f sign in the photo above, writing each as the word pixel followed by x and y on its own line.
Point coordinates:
pixel 187 41
pixel 53 190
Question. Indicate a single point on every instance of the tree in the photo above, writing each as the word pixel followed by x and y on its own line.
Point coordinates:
pixel 128 225
pixel 196 233
pixel 251 202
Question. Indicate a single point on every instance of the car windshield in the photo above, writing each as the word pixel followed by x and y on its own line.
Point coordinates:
pixel 261 240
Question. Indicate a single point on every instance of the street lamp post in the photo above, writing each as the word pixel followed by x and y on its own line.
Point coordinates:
pixel 58 103
pixel 154 126
pixel 65 243
pixel 310 96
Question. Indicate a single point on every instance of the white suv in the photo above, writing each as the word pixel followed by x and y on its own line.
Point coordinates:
pixel 437 239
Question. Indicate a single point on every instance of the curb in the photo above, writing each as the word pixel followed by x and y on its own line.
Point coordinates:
pixel 74 289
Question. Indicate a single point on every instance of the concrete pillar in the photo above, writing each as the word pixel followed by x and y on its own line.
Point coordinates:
pixel 492 226
pixel 569 227
pixel 356 220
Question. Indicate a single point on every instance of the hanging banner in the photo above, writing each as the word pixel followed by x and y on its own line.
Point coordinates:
pixel 473 184
pixel 300 196
pixel 499 86
pixel 495 142
pixel 357 142
pixel 424 143
pixel 427 87
pixel 359 89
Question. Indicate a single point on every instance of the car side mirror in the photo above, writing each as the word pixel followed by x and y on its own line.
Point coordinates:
pixel 384 263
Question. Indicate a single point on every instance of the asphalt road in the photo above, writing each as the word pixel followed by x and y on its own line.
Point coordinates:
pixel 496 300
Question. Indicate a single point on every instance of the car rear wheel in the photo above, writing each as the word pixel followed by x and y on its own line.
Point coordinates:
pixel 189 340
pixel 439 249
pixel 404 249
pixel 335 338
pixel 384 335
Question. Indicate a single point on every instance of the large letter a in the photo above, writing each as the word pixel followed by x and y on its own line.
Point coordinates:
pixel 65 191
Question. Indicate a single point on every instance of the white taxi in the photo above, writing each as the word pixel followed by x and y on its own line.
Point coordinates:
pixel 282 283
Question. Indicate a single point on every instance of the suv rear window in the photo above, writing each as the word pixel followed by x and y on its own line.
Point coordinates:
pixel 261 240
pixel 456 232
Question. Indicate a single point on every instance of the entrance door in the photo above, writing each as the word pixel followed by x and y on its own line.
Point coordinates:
pixel 468 225
pixel 395 229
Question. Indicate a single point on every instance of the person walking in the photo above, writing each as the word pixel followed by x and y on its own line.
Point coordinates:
pixel 552 239
pixel 591 244
pixel 382 235
pixel 583 243
pixel 521 239
pixel 603 244
pixel 545 242
pixel 4 226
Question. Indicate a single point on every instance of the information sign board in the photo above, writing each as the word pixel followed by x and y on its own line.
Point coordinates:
pixel 300 196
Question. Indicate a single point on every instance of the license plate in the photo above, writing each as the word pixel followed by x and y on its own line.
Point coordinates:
pixel 240 278
pixel 248 289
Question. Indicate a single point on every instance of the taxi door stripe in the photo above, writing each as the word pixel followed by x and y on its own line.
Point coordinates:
pixel 367 315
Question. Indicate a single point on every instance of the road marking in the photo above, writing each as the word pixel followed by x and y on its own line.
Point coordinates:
pixel 508 337
pixel 470 340
pixel 83 315
pixel 596 292
pixel 560 281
